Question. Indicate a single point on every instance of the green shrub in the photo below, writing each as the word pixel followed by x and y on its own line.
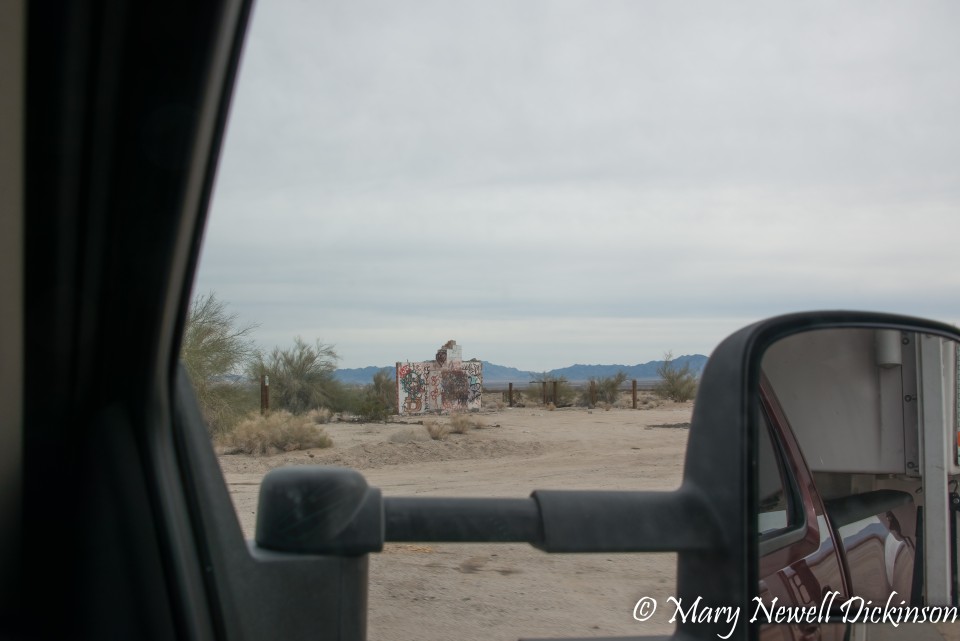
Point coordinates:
pixel 676 384
pixel 603 390
pixel 277 431
pixel 215 350
pixel 301 377
pixel 378 400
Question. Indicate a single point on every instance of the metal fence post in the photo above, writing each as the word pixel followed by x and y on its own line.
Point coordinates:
pixel 264 393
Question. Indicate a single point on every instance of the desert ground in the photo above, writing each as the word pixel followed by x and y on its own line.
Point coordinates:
pixel 501 591
pixel 437 592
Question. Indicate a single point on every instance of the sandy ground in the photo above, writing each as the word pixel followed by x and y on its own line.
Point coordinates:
pixel 503 591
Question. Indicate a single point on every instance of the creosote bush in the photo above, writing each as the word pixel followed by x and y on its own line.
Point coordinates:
pixel 603 390
pixel 276 431
pixel 677 383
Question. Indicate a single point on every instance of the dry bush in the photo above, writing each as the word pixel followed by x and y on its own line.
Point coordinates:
pixel 551 407
pixel 648 401
pixel 321 416
pixel 278 431
pixel 409 436
pixel 459 423
pixel 437 431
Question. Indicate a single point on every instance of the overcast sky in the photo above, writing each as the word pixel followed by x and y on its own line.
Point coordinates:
pixel 551 183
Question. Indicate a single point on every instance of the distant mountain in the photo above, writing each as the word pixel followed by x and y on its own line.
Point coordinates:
pixel 360 375
pixel 644 371
pixel 575 373
pixel 500 374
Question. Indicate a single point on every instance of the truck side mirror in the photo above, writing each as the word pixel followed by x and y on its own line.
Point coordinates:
pixel 852 425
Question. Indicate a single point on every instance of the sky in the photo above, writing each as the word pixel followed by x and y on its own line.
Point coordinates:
pixel 559 182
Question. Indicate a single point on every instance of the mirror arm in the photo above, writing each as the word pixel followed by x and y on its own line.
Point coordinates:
pixel 462 520
pixel 328 510
pixel 622 521
pixel 559 521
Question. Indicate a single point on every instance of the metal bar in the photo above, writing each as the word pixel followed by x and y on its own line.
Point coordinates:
pixel 935 463
pixel 462 520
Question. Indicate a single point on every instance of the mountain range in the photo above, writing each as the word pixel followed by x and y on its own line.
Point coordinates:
pixel 493 373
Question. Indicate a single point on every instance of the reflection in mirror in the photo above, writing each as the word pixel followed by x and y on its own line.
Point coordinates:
pixel 856 460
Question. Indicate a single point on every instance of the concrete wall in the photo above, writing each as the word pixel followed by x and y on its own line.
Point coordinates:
pixel 445 384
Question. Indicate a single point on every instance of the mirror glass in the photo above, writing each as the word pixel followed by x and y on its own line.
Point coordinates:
pixel 856 458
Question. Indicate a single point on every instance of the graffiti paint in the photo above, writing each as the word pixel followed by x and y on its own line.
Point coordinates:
pixel 445 384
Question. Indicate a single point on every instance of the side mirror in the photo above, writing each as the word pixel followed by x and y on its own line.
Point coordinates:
pixel 742 528
pixel 855 438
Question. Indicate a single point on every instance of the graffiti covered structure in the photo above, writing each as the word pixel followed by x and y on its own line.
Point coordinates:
pixel 445 384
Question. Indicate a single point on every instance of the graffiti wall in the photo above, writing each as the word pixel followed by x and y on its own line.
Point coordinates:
pixel 445 384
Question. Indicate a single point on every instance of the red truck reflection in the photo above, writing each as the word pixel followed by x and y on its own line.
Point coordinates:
pixel 816 549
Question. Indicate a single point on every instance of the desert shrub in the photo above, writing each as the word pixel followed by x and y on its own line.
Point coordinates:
pixel 565 394
pixel 677 383
pixel 437 431
pixel 603 389
pixel 409 436
pixel 378 401
pixel 384 388
pixel 301 377
pixel 320 416
pixel 461 423
pixel 214 353
pixel 277 431
pixel 372 409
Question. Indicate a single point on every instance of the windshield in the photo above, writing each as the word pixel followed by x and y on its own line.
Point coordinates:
pixel 481 248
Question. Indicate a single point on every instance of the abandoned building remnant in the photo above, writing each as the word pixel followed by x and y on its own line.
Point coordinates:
pixel 445 384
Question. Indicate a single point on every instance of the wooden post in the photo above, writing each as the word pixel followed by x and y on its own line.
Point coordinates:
pixel 264 393
pixel 593 392
pixel 555 383
pixel 634 386
pixel 544 389
pixel 510 394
